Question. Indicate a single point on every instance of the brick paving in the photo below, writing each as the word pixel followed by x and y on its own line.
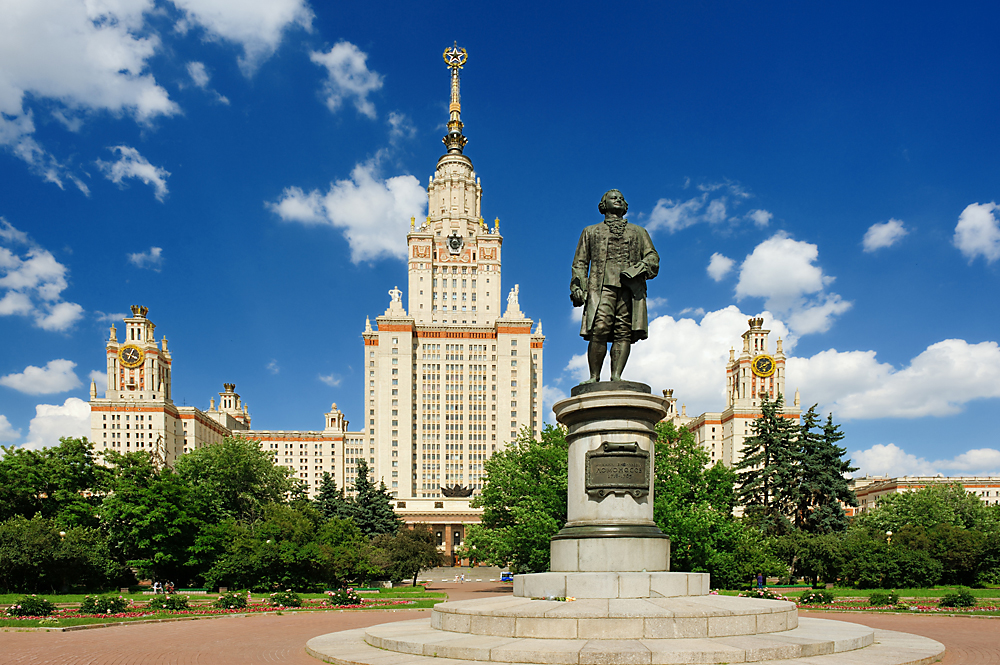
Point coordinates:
pixel 281 639
pixel 969 640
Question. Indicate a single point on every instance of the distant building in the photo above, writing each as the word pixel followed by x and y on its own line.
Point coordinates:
pixel 749 376
pixel 448 381
pixel 870 489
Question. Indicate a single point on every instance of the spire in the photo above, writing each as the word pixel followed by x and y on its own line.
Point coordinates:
pixel 368 325
pixel 455 57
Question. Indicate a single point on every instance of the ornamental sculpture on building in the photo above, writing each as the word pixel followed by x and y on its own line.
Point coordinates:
pixel 612 263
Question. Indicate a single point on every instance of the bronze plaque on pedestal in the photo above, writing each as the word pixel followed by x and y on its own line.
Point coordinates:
pixel 617 468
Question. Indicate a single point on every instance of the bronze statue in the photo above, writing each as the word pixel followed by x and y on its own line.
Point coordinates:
pixel 612 263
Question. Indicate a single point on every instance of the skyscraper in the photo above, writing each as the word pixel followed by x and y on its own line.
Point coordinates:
pixel 455 376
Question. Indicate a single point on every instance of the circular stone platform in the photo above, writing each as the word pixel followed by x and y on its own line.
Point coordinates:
pixel 813 642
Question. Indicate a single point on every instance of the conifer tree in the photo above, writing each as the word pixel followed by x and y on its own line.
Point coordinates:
pixel 768 472
pixel 821 484
pixel 330 501
pixel 371 507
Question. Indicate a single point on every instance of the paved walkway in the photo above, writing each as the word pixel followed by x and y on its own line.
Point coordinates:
pixel 281 639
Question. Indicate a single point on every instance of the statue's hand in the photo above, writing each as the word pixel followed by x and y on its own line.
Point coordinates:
pixel 634 271
pixel 577 296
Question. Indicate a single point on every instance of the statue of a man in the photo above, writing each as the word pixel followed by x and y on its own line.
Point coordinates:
pixel 612 263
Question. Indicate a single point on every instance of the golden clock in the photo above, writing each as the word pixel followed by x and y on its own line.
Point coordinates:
pixel 131 355
pixel 763 365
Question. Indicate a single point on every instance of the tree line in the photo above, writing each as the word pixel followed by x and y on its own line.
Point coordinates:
pixel 791 486
pixel 223 515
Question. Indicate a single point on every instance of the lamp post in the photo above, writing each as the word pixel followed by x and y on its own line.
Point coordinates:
pixel 888 537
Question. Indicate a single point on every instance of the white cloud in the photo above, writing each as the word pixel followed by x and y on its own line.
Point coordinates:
pixel 7 431
pixel 373 213
pixel 110 317
pixel 940 381
pixel 331 380
pixel 576 314
pixel 99 377
pixel 131 164
pixel 52 421
pixel 760 217
pixel 688 355
pixel 198 74
pixel 889 459
pixel 719 266
pixel 651 304
pixel 256 25
pixel 400 127
pixel 783 272
pixel 978 232
pixel 32 282
pixel 200 77
pixel 56 377
pixel 273 366
pixel 882 235
pixel 711 207
pixel 348 76
pixel 153 259
pixel 80 58
pixel 550 395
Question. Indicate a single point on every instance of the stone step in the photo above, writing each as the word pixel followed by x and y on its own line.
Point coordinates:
pixel 616 618
pixel 814 642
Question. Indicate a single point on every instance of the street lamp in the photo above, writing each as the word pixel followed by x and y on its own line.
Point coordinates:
pixel 888 537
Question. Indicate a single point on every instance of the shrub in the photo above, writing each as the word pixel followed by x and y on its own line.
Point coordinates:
pixel 286 598
pixel 31 606
pixel 169 602
pixel 232 601
pixel 963 598
pixel 882 598
pixel 344 597
pixel 104 605
pixel 819 597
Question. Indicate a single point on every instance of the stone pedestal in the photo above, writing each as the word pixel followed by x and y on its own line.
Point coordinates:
pixel 611 436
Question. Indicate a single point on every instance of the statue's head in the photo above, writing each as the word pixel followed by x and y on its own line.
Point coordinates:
pixel 613 202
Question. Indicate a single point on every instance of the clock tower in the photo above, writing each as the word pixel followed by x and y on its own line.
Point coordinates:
pixel 137 411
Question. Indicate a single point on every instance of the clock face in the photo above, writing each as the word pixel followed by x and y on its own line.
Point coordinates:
pixel 763 365
pixel 131 355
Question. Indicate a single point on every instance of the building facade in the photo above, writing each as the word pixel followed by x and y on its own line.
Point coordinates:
pixel 749 376
pixel 870 489
pixel 450 378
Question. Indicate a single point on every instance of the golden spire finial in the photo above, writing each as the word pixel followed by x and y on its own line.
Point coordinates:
pixel 455 58
pixel 413 222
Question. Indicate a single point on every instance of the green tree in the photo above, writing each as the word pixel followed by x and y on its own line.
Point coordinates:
pixel 409 552
pixel 39 555
pixel 768 472
pixel 692 505
pixel 523 502
pixel 938 503
pixel 331 501
pixel 371 506
pixel 149 517
pixel 62 482
pixel 821 485
pixel 345 553
pixel 235 478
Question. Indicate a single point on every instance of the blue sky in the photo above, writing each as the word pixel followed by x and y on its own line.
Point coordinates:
pixel 247 170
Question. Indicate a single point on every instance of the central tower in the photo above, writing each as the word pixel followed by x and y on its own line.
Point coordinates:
pixel 454 258
pixel 455 374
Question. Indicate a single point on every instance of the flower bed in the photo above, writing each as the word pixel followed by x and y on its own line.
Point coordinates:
pixel 864 606
pixel 255 607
